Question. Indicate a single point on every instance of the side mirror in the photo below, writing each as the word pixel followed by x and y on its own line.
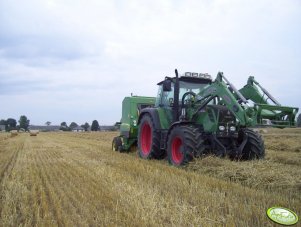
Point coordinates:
pixel 166 85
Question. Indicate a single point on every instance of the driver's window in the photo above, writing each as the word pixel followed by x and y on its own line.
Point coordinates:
pixel 165 98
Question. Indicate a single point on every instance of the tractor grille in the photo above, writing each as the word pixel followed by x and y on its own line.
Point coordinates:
pixel 225 116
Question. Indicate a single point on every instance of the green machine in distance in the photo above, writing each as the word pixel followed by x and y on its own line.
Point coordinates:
pixel 194 115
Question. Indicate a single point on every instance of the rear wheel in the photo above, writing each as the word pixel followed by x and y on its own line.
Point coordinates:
pixel 181 145
pixel 148 139
pixel 254 148
pixel 117 144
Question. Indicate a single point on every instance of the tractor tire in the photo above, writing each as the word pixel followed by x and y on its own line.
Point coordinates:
pixel 148 139
pixel 117 144
pixel 200 146
pixel 181 145
pixel 254 148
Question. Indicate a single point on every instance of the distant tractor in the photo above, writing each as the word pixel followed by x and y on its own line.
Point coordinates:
pixel 192 116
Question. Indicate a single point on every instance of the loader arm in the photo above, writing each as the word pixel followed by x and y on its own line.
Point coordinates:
pixel 229 96
pixel 252 91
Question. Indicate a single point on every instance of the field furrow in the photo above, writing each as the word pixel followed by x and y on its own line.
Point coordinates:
pixel 9 153
pixel 74 179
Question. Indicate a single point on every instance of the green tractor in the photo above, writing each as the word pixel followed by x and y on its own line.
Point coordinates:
pixel 192 115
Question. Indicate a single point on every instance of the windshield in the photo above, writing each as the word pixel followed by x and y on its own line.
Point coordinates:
pixel 167 98
pixel 186 87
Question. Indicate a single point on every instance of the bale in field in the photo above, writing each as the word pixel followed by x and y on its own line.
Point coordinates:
pixel 13 133
pixel 33 132
pixel 260 130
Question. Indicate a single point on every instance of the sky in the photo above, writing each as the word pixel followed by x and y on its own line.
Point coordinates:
pixel 75 61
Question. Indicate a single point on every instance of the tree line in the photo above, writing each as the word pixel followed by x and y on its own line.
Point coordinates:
pixel 24 125
pixel 94 127
pixel 11 123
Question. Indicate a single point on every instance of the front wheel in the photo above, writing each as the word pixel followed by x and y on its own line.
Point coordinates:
pixel 254 147
pixel 181 145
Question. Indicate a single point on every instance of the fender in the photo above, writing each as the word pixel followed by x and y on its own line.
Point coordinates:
pixel 172 127
pixel 178 123
pixel 154 115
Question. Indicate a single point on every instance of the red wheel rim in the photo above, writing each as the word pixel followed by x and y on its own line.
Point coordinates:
pixel 177 155
pixel 146 139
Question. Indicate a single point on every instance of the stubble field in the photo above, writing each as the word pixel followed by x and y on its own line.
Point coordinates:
pixel 74 179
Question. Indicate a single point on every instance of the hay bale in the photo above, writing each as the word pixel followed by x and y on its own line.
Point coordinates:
pixel 260 130
pixel 263 131
pixel 13 133
pixel 33 132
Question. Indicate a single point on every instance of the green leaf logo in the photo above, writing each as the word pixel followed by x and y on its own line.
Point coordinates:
pixel 282 215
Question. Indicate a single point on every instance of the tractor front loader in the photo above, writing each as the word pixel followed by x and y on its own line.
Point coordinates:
pixel 269 111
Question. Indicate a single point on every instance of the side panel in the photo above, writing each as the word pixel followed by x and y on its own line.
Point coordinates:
pixel 165 116
pixel 131 108
pixel 208 120
pixel 125 119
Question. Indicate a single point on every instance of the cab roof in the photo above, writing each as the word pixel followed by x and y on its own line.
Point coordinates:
pixel 194 80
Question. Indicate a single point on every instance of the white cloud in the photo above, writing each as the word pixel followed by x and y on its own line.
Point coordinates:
pixel 91 53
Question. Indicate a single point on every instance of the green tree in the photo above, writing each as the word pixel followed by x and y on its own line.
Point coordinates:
pixel 85 126
pixel 64 126
pixel 73 125
pixel 48 123
pixel 24 122
pixel 95 126
pixel 11 124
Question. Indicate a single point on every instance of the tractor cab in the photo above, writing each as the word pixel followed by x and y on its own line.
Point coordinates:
pixel 188 84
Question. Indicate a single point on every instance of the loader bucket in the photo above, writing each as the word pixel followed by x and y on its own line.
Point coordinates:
pixel 275 116
pixel 269 111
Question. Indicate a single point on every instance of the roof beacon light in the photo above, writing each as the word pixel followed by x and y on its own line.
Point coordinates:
pixel 205 75
pixel 198 75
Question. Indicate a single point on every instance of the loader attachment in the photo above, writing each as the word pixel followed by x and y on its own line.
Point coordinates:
pixel 276 116
pixel 269 111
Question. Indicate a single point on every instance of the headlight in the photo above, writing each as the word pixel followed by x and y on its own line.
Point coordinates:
pixel 134 122
pixel 221 128
pixel 232 128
